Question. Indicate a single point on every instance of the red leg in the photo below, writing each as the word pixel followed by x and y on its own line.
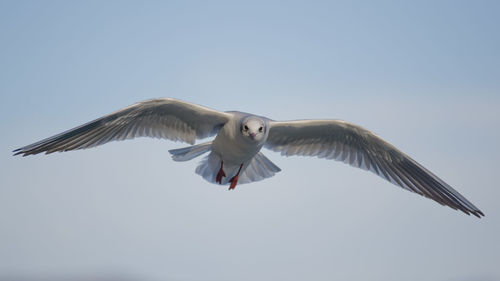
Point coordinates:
pixel 220 174
pixel 234 180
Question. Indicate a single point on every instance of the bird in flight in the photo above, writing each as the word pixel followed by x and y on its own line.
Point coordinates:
pixel 235 154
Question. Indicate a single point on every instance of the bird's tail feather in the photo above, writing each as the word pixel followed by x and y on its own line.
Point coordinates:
pixel 190 152
pixel 257 169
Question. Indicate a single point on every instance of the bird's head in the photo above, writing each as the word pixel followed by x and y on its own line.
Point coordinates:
pixel 253 128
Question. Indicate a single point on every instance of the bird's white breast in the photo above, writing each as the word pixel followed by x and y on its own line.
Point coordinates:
pixel 232 146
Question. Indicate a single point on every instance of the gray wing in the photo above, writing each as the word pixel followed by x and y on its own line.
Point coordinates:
pixel 358 147
pixel 160 118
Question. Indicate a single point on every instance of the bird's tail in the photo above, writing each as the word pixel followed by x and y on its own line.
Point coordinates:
pixel 190 152
pixel 257 169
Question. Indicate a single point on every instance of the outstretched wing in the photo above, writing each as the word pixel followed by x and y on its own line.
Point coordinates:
pixel 354 145
pixel 160 118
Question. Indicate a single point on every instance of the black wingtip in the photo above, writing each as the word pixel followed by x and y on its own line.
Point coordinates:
pixel 477 213
pixel 20 151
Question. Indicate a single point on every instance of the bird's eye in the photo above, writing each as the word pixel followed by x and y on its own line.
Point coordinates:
pixel 246 127
pixel 260 129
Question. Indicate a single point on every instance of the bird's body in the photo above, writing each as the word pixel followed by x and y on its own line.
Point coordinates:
pixel 235 155
pixel 242 149
pixel 231 152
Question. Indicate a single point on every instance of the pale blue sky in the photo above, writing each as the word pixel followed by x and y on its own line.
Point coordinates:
pixel 423 75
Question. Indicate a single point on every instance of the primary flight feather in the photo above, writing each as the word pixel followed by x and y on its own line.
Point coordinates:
pixel 234 155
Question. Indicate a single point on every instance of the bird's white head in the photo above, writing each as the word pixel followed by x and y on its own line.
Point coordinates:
pixel 253 128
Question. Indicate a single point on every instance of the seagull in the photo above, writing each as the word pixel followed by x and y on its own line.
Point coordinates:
pixel 235 154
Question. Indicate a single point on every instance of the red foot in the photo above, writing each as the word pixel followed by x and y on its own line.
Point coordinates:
pixel 234 180
pixel 220 174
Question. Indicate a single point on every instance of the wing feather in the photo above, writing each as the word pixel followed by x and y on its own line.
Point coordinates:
pixel 358 147
pixel 157 118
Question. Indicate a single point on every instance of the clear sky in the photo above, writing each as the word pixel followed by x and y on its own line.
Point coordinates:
pixel 424 75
